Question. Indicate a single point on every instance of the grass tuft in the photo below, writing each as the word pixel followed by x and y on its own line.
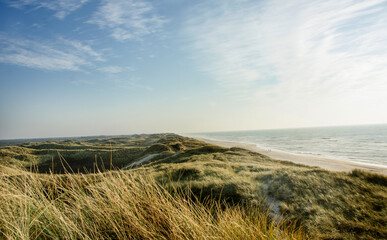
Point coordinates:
pixel 118 205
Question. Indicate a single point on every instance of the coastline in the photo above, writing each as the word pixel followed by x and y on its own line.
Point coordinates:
pixel 325 163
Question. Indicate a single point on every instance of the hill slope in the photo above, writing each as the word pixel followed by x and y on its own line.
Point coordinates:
pixel 330 205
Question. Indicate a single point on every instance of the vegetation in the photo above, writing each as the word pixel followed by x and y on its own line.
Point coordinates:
pixel 192 190
pixel 118 205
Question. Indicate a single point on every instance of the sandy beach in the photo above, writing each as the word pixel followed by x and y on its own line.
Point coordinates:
pixel 329 164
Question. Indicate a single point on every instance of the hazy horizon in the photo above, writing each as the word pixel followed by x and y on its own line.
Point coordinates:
pixel 191 133
pixel 86 68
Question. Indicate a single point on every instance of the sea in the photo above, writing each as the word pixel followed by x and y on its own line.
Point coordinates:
pixel 365 144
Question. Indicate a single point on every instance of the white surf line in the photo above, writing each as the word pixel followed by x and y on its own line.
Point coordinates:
pixel 144 159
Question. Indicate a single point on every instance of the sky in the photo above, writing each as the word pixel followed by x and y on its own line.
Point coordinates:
pixel 115 67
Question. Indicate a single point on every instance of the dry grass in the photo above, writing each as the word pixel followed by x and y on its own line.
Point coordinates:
pixel 329 205
pixel 119 205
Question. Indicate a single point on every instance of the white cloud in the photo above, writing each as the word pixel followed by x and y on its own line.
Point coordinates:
pixel 115 69
pixel 127 19
pixel 61 7
pixel 82 48
pixel 299 56
pixel 62 54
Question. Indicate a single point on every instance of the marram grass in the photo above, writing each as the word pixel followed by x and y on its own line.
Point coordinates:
pixel 122 205
pixel 329 205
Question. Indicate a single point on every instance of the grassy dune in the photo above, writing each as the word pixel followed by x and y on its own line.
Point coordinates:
pixel 219 192
pixel 119 205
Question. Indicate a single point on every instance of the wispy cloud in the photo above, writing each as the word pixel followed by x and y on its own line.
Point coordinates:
pixel 115 69
pixel 292 53
pixel 62 54
pixel 62 8
pixel 127 19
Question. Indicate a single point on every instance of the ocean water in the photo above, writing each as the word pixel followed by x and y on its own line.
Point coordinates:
pixel 362 144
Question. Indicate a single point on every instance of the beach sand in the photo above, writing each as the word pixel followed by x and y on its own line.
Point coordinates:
pixel 329 164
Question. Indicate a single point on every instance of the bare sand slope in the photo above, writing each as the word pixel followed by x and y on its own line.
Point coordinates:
pixel 329 164
pixel 144 159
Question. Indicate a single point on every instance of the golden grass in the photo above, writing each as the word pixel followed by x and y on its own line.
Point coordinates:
pixel 122 205
pixel 329 205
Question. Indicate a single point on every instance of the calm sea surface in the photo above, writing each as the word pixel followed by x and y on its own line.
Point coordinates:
pixel 362 144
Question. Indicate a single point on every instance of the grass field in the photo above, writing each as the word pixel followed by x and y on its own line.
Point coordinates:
pixel 180 188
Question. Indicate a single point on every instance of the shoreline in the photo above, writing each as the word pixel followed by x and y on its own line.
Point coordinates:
pixel 325 163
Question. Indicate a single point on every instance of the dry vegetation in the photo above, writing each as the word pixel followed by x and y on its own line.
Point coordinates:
pixel 118 205
pixel 192 190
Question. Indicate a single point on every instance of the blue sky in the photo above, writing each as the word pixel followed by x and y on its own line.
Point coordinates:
pixel 76 68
